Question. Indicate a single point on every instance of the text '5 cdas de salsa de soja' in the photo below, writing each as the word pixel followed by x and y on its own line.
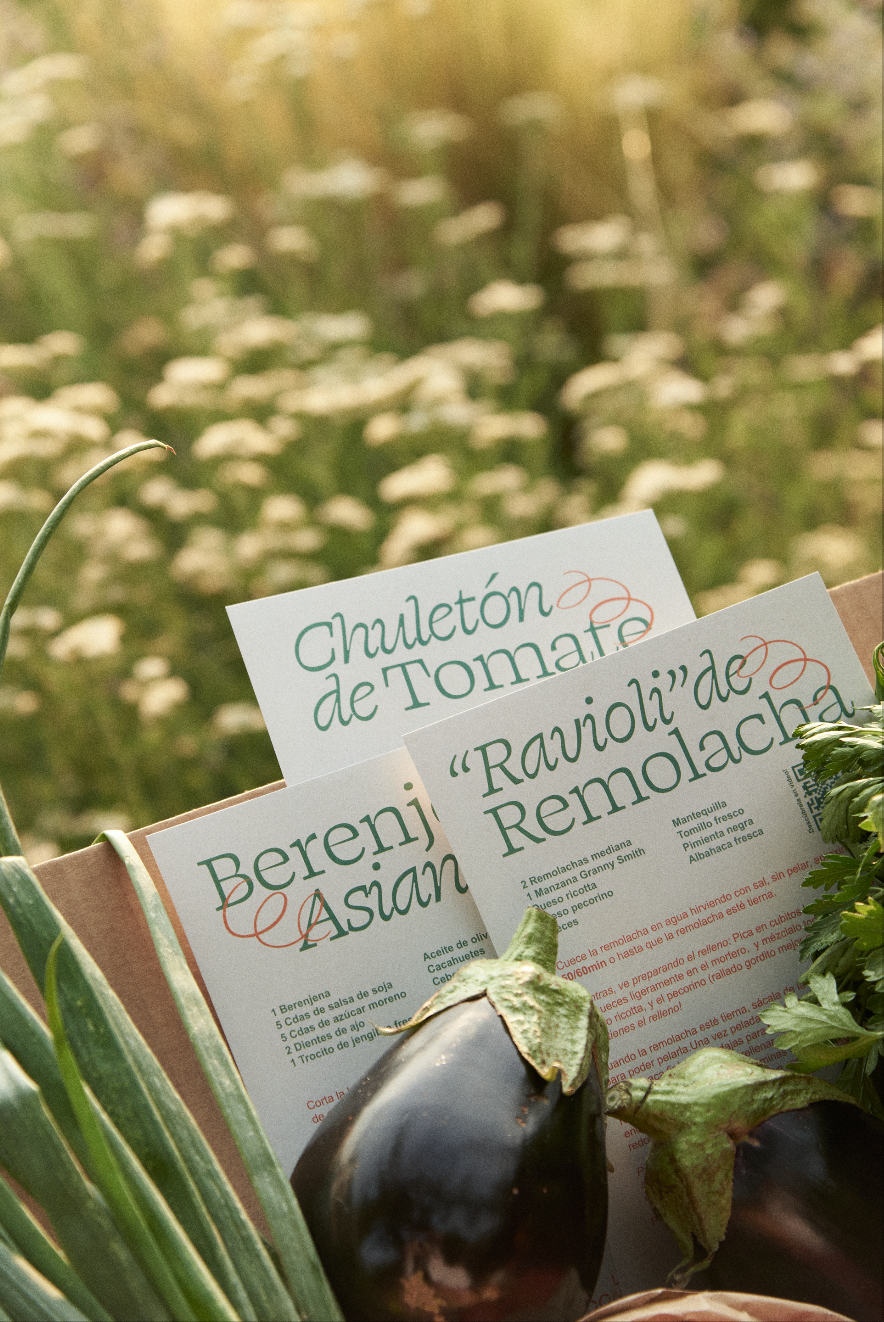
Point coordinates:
pixel 464 1176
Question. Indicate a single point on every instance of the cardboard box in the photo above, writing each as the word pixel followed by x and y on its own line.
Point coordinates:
pixel 91 889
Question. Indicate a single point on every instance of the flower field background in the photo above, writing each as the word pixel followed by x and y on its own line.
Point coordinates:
pixel 397 278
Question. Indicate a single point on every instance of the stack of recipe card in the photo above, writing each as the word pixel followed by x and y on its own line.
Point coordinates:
pixel 542 722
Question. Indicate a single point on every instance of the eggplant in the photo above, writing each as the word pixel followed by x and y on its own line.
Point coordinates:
pixel 806 1211
pixel 464 1178
pixel 776 1176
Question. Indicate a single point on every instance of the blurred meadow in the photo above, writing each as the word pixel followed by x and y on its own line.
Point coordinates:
pixel 398 278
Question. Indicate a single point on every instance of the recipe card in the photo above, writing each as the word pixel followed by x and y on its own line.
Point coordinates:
pixel 657 805
pixel 316 913
pixel 343 670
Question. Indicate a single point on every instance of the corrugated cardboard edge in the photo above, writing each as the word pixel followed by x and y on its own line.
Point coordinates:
pixel 91 889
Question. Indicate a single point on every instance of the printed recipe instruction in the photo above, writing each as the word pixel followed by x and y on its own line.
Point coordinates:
pixel 655 803
pixel 316 913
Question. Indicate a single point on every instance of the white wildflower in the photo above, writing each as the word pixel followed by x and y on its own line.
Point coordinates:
pixel 428 130
pixel 637 91
pixel 797 176
pixel 258 387
pixel 761 574
pixel 481 219
pixel 413 529
pixel 383 427
pixel 242 473
pixel 590 380
pixel 424 191
pixel 161 696
pixel 70 424
pixel 673 525
pixel 151 667
pixel 475 536
pixel 153 249
pixel 760 118
pixel 674 389
pixel 178 503
pixel 610 439
pixel 196 371
pixel 57 66
pixel 491 359
pixel 20 116
pixel 292 241
pixel 88 396
pixel 337 327
pixel 505 296
pixel 44 618
pixel 829 548
pixel 718 599
pixel 870 433
pixel 530 108
pixel 495 427
pixel 430 476
pixel 287 429
pixel 620 273
pixel 498 481
pixel 344 511
pixel 869 348
pixel 188 213
pixel 14 497
pixel 62 343
pixel 442 382
pixel 117 532
pixel 283 509
pixel 842 362
pixel 249 548
pixel 237 718
pixel 142 336
pixel 81 140
pixel 54 225
pixel 350 180
pixel 533 502
pixel 856 201
pixel 256 333
pixel 203 563
pixel 23 358
pixel 96 636
pixel 240 438
pixel 594 238
pixel 20 702
pixel 233 257
pixel 654 478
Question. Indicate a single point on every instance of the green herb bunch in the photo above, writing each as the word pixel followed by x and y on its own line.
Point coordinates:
pixel 841 1018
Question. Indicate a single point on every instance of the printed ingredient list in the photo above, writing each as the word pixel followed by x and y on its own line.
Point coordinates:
pixel 317 913
pixel 656 804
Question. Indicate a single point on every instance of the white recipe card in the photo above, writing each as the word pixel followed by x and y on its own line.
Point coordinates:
pixel 315 913
pixel 656 804
pixel 342 671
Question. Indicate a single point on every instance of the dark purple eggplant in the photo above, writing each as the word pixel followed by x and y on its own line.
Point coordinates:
pixel 806 1213
pixel 776 1176
pixel 455 1182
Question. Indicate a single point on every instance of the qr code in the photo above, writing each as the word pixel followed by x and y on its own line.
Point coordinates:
pixel 814 791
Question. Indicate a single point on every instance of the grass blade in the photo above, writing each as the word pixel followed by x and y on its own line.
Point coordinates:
pixel 27 1238
pixel 189 1294
pixel 30 1042
pixel 305 1273
pixel 27 1296
pixel 36 1156
pixel 128 1081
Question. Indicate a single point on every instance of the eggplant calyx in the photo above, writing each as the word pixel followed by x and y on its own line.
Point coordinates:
pixel 553 1023
pixel 696 1114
